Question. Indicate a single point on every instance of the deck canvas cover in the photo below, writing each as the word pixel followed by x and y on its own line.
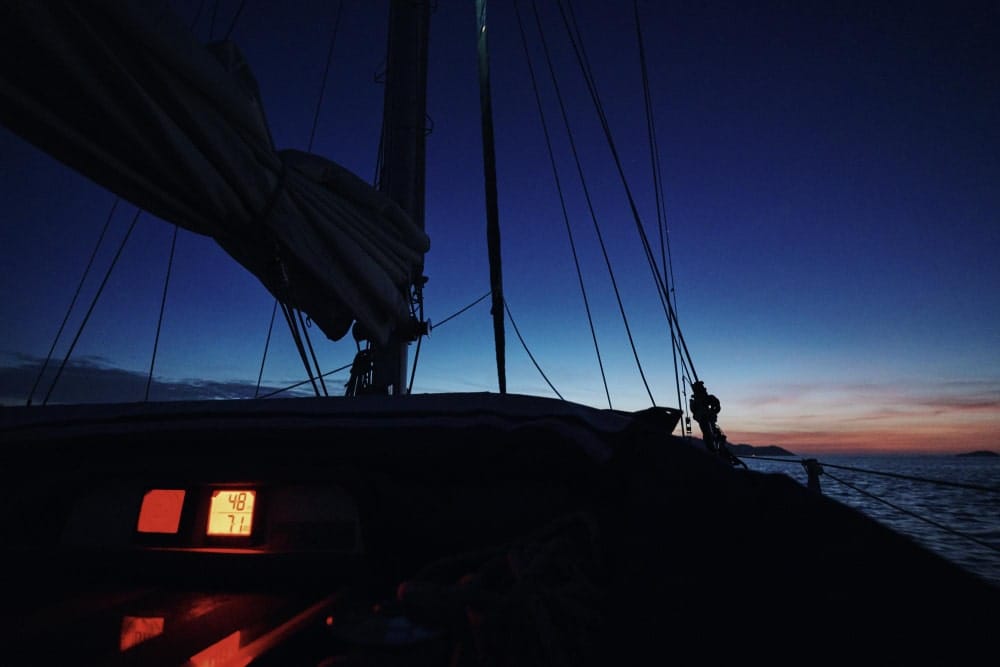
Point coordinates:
pixel 125 94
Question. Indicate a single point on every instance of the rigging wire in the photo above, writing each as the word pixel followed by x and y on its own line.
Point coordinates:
pixel 232 22
pixel 574 35
pixel 299 384
pixel 562 203
pixel 326 74
pixel 163 304
pixel 657 175
pixel 293 327
pixel 912 478
pixel 211 23
pixel 417 313
pixel 939 482
pixel 941 526
pixel 309 147
pixel 72 303
pixel 882 473
pixel 114 205
pixel 413 369
pixel 267 343
pixel 197 14
pixel 304 327
pixel 236 17
pixel 459 312
pixel 590 206
pixel 93 303
pixel 416 354
pixel 530 355
pixel 312 135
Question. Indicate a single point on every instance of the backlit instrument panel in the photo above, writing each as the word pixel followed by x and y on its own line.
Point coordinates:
pixel 225 516
pixel 220 514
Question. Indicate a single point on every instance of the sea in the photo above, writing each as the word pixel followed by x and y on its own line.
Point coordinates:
pixel 948 503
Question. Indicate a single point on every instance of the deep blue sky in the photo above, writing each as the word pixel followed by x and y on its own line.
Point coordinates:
pixel 830 173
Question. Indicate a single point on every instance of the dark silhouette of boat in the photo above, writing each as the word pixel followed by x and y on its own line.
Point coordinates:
pixel 388 528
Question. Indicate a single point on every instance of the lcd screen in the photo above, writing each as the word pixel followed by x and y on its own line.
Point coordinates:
pixel 231 512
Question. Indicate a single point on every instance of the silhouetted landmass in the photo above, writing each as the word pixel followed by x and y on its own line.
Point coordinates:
pixel 764 450
pixel 980 452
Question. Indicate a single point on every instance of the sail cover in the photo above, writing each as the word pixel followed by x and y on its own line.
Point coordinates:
pixel 124 93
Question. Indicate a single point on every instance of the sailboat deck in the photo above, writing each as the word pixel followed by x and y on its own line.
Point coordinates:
pixel 640 528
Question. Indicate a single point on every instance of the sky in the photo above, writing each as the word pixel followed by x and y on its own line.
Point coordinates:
pixel 829 175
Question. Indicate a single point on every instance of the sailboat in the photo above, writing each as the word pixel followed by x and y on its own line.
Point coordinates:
pixel 384 526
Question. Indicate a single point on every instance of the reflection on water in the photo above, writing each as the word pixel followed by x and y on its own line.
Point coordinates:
pixel 930 512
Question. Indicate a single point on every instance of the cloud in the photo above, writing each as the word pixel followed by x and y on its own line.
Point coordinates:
pixel 930 415
pixel 94 380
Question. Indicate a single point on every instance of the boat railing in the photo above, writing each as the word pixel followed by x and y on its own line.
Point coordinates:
pixel 815 469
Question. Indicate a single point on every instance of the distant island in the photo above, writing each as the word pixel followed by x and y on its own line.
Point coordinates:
pixel 764 450
pixel 744 449
pixel 980 452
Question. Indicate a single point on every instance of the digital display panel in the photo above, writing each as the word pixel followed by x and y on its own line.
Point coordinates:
pixel 161 511
pixel 231 512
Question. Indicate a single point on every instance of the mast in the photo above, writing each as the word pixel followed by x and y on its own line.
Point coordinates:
pixel 490 176
pixel 402 175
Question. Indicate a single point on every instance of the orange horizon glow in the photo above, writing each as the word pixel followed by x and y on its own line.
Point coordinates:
pixel 891 418
pixel 957 441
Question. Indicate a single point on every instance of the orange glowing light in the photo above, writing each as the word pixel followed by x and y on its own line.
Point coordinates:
pixel 231 512
pixel 137 629
pixel 161 511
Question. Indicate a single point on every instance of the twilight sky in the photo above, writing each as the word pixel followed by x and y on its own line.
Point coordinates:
pixel 830 175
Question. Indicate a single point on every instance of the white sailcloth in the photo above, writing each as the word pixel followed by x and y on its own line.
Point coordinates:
pixel 124 93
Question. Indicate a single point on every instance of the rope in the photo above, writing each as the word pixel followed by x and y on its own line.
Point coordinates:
pixel 72 303
pixel 159 321
pixel 913 514
pixel 590 206
pixel 562 203
pixel 90 310
pixel 530 355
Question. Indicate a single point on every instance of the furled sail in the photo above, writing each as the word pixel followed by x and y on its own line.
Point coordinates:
pixel 124 93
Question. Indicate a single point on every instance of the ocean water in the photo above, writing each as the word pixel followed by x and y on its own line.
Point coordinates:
pixel 962 523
